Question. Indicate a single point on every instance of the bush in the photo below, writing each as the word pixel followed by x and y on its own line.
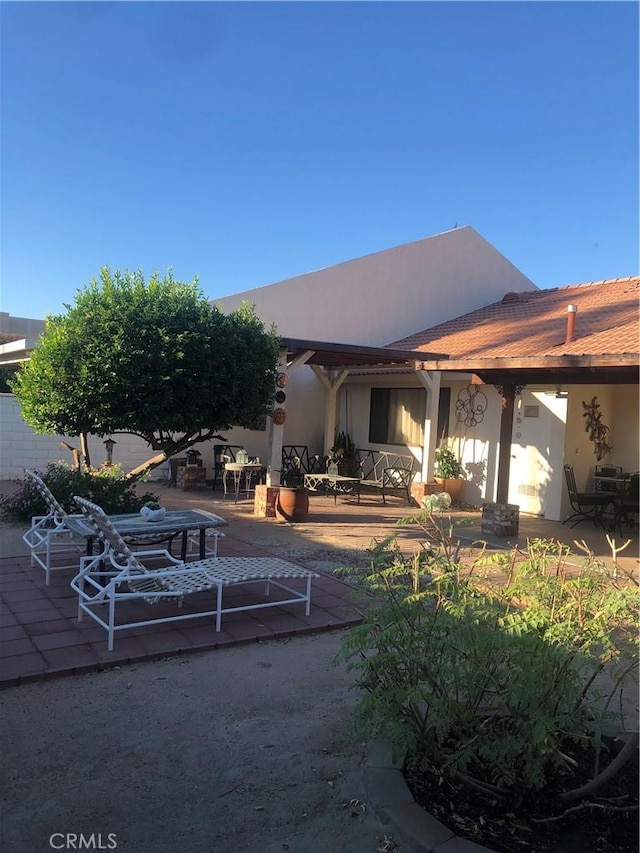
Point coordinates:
pixel 486 665
pixel 105 486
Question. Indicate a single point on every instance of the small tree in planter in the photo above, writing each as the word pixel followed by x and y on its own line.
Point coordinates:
pixel 449 472
pixel 343 453
pixel 292 503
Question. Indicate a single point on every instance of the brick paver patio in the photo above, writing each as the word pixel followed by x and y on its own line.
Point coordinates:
pixel 40 634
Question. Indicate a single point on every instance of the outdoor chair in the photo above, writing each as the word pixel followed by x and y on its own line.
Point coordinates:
pixel 222 453
pixel 627 505
pixel 118 576
pixel 586 506
pixel 296 462
pixel 59 532
pixel 608 479
pixel 54 533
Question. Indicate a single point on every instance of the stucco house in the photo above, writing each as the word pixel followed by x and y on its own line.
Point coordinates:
pixel 560 349
pixel 369 300
pixel 484 327
pixel 557 361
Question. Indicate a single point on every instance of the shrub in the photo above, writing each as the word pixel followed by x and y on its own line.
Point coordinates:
pixel 447 464
pixel 486 665
pixel 105 486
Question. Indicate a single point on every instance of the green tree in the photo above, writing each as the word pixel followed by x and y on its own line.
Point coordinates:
pixel 153 359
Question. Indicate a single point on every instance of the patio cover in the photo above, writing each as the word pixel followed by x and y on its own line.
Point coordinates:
pixel 332 363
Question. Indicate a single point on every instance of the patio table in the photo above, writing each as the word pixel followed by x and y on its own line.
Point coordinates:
pixel 242 474
pixel 618 483
pixel 175 521
pixel 334 483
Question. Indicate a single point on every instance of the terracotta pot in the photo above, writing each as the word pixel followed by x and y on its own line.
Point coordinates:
pixel 451 487
pixel 292 504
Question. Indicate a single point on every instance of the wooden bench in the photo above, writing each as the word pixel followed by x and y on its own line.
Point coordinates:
pixel 385 471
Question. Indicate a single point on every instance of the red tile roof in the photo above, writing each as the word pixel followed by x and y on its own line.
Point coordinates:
pixel 534 324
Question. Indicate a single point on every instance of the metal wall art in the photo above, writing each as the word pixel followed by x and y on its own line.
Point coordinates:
pixel 471 406
pixel 599 433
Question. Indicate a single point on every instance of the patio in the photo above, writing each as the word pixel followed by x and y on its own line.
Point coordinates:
pixel 41 636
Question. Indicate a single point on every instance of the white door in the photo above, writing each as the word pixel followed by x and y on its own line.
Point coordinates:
pixel 535 481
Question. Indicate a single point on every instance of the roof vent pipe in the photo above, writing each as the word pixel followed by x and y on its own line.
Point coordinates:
pixel 571 323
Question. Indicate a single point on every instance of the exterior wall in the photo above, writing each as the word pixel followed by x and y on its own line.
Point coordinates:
pixel 21 448
pixel 390 294
pixel 305 407
pixel 476 446
pixel 619 405
pixel 22 326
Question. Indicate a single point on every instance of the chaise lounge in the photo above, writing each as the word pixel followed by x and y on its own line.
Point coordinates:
pixel 117 577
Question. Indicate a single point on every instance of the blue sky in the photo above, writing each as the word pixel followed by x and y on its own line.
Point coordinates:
pixel 249 142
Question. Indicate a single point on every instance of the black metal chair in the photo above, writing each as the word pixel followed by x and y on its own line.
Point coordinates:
pixel 608 478
pixel 627 505
pixel 586 506
pixel 296 462
pixel 220 450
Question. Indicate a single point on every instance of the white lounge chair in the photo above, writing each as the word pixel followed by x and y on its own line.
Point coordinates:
pixel 55 533
pixel 59 532
pixel 118 575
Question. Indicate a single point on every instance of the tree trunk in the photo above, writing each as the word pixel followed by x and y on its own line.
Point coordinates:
pixel 148 465
pixel 84 449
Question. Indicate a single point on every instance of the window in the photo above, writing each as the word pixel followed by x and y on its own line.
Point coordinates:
pixel 444 405
pixel 397 415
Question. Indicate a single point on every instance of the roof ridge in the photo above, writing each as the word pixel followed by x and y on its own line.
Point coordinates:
pixel 619 280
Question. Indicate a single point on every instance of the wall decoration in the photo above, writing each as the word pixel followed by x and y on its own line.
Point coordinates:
pixel 281 380
pixel 280 397
pixel 279 416
pixel 471 406
pixel 599 433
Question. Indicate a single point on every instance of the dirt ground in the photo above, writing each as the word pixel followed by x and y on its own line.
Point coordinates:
pixel 243 750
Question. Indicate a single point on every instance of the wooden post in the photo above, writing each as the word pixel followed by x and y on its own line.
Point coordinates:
pixel 508 393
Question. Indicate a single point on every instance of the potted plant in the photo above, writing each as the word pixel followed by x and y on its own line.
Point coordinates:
pixel 292 503
pixel 152 511
pixel 448 472
pixel 343 453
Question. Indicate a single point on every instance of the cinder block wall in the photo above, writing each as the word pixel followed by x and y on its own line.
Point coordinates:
pixel 21 448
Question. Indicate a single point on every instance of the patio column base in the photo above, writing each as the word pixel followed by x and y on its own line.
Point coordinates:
pixel 500 519
pixel 191 477
pixel 264 504
pixel 421 490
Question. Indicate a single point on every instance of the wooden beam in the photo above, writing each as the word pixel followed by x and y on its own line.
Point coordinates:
pixel 506 430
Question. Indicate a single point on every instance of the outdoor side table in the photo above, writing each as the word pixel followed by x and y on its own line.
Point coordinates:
pixel 336 484
pixel 241 474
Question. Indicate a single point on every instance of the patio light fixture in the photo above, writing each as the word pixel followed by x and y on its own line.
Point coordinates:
pixel 109 444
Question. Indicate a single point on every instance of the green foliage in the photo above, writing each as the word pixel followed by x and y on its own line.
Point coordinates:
pixel 447 465
pixel 7 375
pixel 486 664
pixel 154 359
pixel 105 486
pixel 343 446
